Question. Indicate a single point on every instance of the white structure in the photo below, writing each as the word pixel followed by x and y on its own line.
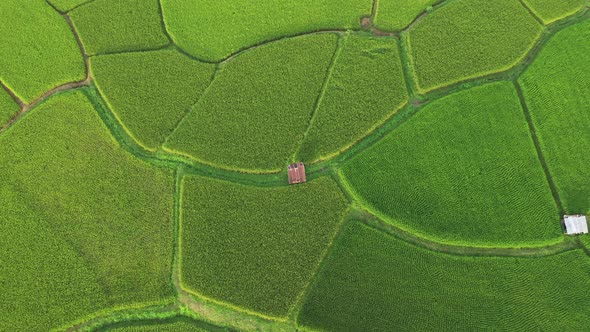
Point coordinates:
pixel 575 224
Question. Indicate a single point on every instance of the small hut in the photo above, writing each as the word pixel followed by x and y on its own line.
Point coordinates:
pixel 296 173
pixel 575 224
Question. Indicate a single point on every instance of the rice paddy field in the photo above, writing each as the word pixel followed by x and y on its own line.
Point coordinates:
pixel 147 179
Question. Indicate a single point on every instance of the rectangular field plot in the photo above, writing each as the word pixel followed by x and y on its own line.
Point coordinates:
pixel 375 282
pixel 557 91
pixel 252 247
pixel 464 169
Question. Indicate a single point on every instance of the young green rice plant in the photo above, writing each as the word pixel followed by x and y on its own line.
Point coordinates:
pixel 464 169
pixel 8 107
pixel 375 282
pixel 557 91
pixel 150 92
pixel 252 247
pixel 35 58
pixel 67 5
pixel 254 114
pixel 365 87
pixel 464 40
pixel 213 30
pixel 395 15
pixel 86 227
pixel 108 26
pixel 550 11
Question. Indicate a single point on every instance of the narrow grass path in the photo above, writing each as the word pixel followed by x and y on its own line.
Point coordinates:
pixel 539 150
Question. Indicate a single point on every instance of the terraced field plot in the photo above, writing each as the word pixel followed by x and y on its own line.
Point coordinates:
pixel 475 177
pixel 144 148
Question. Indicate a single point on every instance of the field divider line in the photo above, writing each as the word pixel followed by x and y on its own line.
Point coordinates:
pixel 21 104
pixel 532 12
pixel 410 77
pixel 300 300
pixel 439 93
pixel 163 23
pixel 148 311
pixel 79 5
pixel 145 50
pixel 538 148
pixel 339 45
pixel 425 13
pixel 379 221
pixel 24 107
pixel 175 273
pixel 582 246
pixel 191 108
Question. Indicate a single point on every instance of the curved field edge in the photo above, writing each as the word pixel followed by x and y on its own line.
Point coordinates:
pixel 146 316
pixel 431 241
pixel 352 149
pixel 480 75
pixel 241 24
pixel 383 277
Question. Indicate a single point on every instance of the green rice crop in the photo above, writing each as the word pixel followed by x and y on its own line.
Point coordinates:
pixel 550 11
pixel 85 227
pixel 254 247
pixel 8 107
pixel 254 114
pixel 150 92
pixel 375 282
pixel 67 5
pixel 35 58
pixel 463 170
pixel 465 39
pixel 213 30
pixel 395 15
pixel 366 86
pixel 107 26
pixel 556 87
pixel 170 325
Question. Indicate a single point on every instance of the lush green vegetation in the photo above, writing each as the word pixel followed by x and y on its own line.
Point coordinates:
pixel 85 227
pixel 475 177
pixel 107 26
pixel 255 112
pixel 375 282
pixel 212 31
pixel 255 247
pixel 395 15
pixel 552 10
pixel 36 57
pixel 471 40
pixel 67 5
pixel 557 90
pixel 170 325
pixel 365 87
pixel 150 92
pixel 153 187
pixel 8 107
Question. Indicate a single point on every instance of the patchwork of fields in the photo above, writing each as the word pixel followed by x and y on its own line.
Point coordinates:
pixel 144 149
